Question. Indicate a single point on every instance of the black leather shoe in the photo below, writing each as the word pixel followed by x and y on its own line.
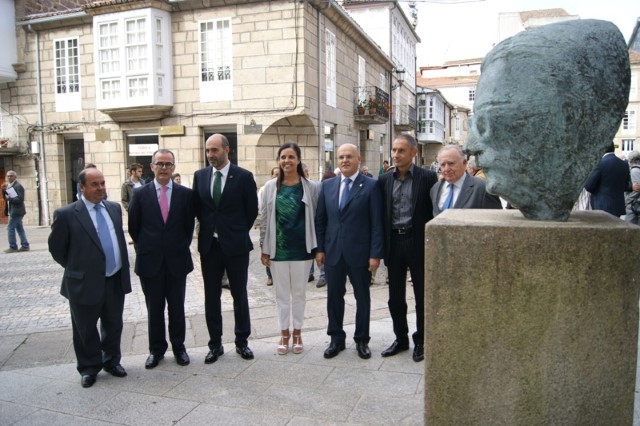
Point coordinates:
pixel 116 370
pixel 152 361
pixel 244 352
pixel 182 358
pixel 333 349
pixel 213 355
pixel 363 350
pixel 88 380
pixel 395 348
pixel 418 353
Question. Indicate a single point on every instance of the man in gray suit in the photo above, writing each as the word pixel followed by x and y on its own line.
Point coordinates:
pixel 458 189
pixel 87 240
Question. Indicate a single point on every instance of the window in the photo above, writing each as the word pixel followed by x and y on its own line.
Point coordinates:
pixel 472 95
pixel 330 46
pixel 633 88
pixel 628 145
pixel 133 61
pixel 216 60
pixel 67 69
pixel 629 121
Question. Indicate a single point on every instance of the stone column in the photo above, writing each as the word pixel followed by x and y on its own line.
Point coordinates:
pixel 529 322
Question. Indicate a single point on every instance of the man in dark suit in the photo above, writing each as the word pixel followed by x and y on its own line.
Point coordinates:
pixel 350 243
pixel 458 189
pixel 14 196
pixel 226 205
pixel 87 240
pixel 608 183
pixel 407 208
pixel 161 221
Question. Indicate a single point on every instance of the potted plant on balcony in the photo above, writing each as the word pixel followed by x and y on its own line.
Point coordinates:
pixel 362 106
pixel 373 105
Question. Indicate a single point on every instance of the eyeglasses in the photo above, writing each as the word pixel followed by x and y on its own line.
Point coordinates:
pixel 162 165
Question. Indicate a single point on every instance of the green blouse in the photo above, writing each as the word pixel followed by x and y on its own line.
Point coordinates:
pixel 290 229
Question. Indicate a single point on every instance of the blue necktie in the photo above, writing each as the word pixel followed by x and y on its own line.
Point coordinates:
pixel 448 203
pixel 105 239
pixel 345 193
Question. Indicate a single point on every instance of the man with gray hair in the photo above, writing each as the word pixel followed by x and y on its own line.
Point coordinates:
pixel 462 191
pixel 16 209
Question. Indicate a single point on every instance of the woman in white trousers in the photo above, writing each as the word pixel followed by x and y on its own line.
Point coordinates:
pixel 288 241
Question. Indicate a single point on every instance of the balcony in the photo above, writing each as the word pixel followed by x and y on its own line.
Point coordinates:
pixel 371 105
pixel 405 119
pixel 9 136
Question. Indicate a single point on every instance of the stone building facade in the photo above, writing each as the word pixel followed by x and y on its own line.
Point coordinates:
pixel 108 82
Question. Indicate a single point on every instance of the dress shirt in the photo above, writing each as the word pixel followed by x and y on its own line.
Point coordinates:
pixel 169 191
pixel 112 232
pixel 223 177
pixel 353 178
pixel 401 200
pixel 457 186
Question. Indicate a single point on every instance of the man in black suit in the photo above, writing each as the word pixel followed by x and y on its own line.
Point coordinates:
pixel 226 205
pixel 407 208
pixel 608 183
pixel 161 221
pixel 87 240
pixel 458 189
pixel 350 244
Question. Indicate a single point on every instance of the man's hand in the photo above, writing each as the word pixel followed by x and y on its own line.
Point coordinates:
pixel 320 259
pixel 264 258
pixel 373 265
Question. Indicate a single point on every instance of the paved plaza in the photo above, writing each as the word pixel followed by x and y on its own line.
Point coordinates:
pixel 40 385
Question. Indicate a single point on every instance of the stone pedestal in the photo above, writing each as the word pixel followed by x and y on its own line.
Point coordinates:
pixel 530 323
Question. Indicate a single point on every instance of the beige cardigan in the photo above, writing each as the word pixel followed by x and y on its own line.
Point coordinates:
pixel 268 215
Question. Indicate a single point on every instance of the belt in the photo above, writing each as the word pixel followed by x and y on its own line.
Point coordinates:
pixel 401 231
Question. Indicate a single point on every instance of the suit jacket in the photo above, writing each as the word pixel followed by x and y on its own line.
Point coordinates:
pixel 421 207
pixel 16 204
pixel 235 216
pixel 473 195
pixel 356 232
pixel 608 183
pixel 74 244
pixel 156 241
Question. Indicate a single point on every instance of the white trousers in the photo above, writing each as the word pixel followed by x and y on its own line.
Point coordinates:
pixel 290 282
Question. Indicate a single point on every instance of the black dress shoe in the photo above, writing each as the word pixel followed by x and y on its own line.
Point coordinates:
pixel 244 352
pixel 418 353
pixel 88 380
pixel 333 349
pixel 181 357
pixel 115 370
pixel 363 350
pixel 395 348
pixel 213 355
pixel 152 361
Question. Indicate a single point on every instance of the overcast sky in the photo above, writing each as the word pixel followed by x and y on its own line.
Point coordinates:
pixel 469 30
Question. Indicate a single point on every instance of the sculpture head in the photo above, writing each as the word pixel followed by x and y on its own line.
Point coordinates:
pixel 548 103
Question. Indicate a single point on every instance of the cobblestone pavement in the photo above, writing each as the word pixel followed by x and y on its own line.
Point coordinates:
pixel 31 300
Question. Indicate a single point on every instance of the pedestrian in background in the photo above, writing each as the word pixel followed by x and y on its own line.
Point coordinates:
pixel 133 181
pixel 87 240
pixel 275 172
pixel 632 198
pixel 15 207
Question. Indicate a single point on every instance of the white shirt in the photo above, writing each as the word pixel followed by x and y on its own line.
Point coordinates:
pixel 457 186
pixel 342 183
pixel 223 178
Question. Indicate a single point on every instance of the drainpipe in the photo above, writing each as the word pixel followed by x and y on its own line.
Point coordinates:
pixel 42 173
pixel 320 113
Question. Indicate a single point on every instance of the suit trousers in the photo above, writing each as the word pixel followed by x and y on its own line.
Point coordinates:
pixel 403 256
pixel 360 278
pixel 95 350
pixel 214 264
pixel 290 281
pixel 158 289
